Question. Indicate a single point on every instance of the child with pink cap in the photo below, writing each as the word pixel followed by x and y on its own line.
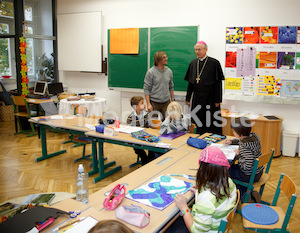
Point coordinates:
pixel 215 194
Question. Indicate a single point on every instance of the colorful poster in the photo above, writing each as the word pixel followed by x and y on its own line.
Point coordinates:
pixel 287 35
pixel 298 35
pixel 257 59
pixel 234 35
pixel 160 192
pixel 249 61
pixel 240 63
pixel 267 60
pixel 124 41
pixel 286 60
pixel 297 61
pixel 268 35
pixel 233 83
pixel 290 88
pixel 248 87
pixel 265 85
pixel 251 35
pixel 230 59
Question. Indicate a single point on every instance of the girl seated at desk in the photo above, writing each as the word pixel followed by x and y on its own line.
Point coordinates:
pixel 175 121
pixel 215 195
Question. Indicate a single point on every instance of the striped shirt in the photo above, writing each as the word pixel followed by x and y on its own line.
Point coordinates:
pixel 249 150
pixel 208 213
pixel 141 119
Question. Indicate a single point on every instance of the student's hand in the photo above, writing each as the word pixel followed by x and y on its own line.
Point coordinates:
pixel 227 142
pixel 149 108
pixel 237 151
pixel 188 103
pixel 193 189
pixel 181 201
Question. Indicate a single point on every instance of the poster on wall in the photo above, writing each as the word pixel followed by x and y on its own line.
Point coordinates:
pixel 233 84
pixel 234 35
pixel 287 35
pixel 267 60
pixel 248 86
pixel 290 88
pixel 268 35
pixel 265 85
pixel 251 35
pixel 286 60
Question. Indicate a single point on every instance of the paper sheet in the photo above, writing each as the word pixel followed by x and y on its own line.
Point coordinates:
pixel 228 150
pixel 84 226
pixel 128 129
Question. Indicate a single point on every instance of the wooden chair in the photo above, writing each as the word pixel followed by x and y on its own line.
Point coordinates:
pixel 288 187
pixel 193 128
pixel 226 225
pixel 263 160
pixel 21 110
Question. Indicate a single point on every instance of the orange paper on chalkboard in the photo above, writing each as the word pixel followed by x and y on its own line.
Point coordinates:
pixel 124 41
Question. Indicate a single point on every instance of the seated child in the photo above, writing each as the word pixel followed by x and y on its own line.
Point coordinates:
pixel 139 117
pixel 175 121
pixel 215 195
pixel 108 226
pixel 249 149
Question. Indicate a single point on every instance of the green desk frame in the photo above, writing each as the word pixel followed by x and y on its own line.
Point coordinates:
pixel 99 166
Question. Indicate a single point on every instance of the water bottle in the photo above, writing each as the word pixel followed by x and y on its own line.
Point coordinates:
pixel 82 192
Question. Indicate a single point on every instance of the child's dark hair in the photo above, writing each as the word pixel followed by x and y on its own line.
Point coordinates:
pixel 135 100
pixel 215 178
pixel 241 125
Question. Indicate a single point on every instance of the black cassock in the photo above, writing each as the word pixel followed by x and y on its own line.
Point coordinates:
pixel 206 93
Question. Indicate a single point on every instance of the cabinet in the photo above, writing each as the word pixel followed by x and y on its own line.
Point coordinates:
pixel 269 132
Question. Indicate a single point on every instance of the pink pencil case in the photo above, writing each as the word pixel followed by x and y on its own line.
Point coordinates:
pixel 115 197
pixel 133 215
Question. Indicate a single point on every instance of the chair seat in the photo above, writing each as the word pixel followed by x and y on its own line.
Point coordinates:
pixel 263 179
pixel 281 214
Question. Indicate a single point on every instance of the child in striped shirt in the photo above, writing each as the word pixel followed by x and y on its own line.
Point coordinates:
pixel 249 149
pixel 215 194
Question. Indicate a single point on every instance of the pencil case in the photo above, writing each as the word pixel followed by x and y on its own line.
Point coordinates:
pixel 197 142
pixel 133 215
pixel 115 197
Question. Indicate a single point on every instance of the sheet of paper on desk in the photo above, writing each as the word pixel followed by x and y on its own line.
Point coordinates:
pixel 228 150
pixel 128 129
pixel 57 117
pixel 84 226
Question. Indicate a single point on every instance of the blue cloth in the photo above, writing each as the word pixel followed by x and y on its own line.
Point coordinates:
pixel 197 142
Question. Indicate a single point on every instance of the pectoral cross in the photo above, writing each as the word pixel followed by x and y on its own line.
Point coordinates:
pixel 198 79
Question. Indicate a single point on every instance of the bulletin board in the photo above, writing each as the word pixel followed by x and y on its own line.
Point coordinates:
pixel 129 70
pixel 263 61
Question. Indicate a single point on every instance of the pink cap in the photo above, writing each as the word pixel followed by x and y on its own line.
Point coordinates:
pixel 201 42
pixel 214 155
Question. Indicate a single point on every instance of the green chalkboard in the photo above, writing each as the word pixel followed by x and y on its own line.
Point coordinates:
pixel 128 71
pixel 178 43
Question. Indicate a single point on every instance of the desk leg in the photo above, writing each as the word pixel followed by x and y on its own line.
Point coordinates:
pixel 45 154
pixel 95 160
pixel 103 166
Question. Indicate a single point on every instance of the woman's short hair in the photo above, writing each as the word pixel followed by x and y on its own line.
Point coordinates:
pixel 108 226
pixel 174 110
pixel 158 56
pixel 241 125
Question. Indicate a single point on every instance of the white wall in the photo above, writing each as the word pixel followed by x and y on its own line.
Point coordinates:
pixel 213 17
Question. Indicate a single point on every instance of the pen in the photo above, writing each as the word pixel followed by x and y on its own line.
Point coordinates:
pixel 67 224
pixel 142 209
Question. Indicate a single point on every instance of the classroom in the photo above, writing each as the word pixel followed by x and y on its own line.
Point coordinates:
pixel 99 72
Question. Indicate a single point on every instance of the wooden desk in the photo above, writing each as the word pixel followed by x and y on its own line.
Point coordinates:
pixel 74 125
pixel 269 132
pixel 173 162
pixel 126 140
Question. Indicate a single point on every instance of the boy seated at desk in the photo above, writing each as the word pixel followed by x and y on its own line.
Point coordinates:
pixel 139 117
pixel 175 121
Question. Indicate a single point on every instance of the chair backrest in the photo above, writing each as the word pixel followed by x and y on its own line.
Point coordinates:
pixel 81 111
pixel 155 123
pixel 266 159
pixel 18 100
pixel 193 128
pixel 226 224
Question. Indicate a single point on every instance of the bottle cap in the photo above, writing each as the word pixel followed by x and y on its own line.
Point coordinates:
pixel 80 168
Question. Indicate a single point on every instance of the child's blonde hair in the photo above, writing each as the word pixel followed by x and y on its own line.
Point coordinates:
pixel 174 110
pixel 108 226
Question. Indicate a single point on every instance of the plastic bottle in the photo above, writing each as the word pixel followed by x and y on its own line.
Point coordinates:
pixel 117 122
pixel 82 192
